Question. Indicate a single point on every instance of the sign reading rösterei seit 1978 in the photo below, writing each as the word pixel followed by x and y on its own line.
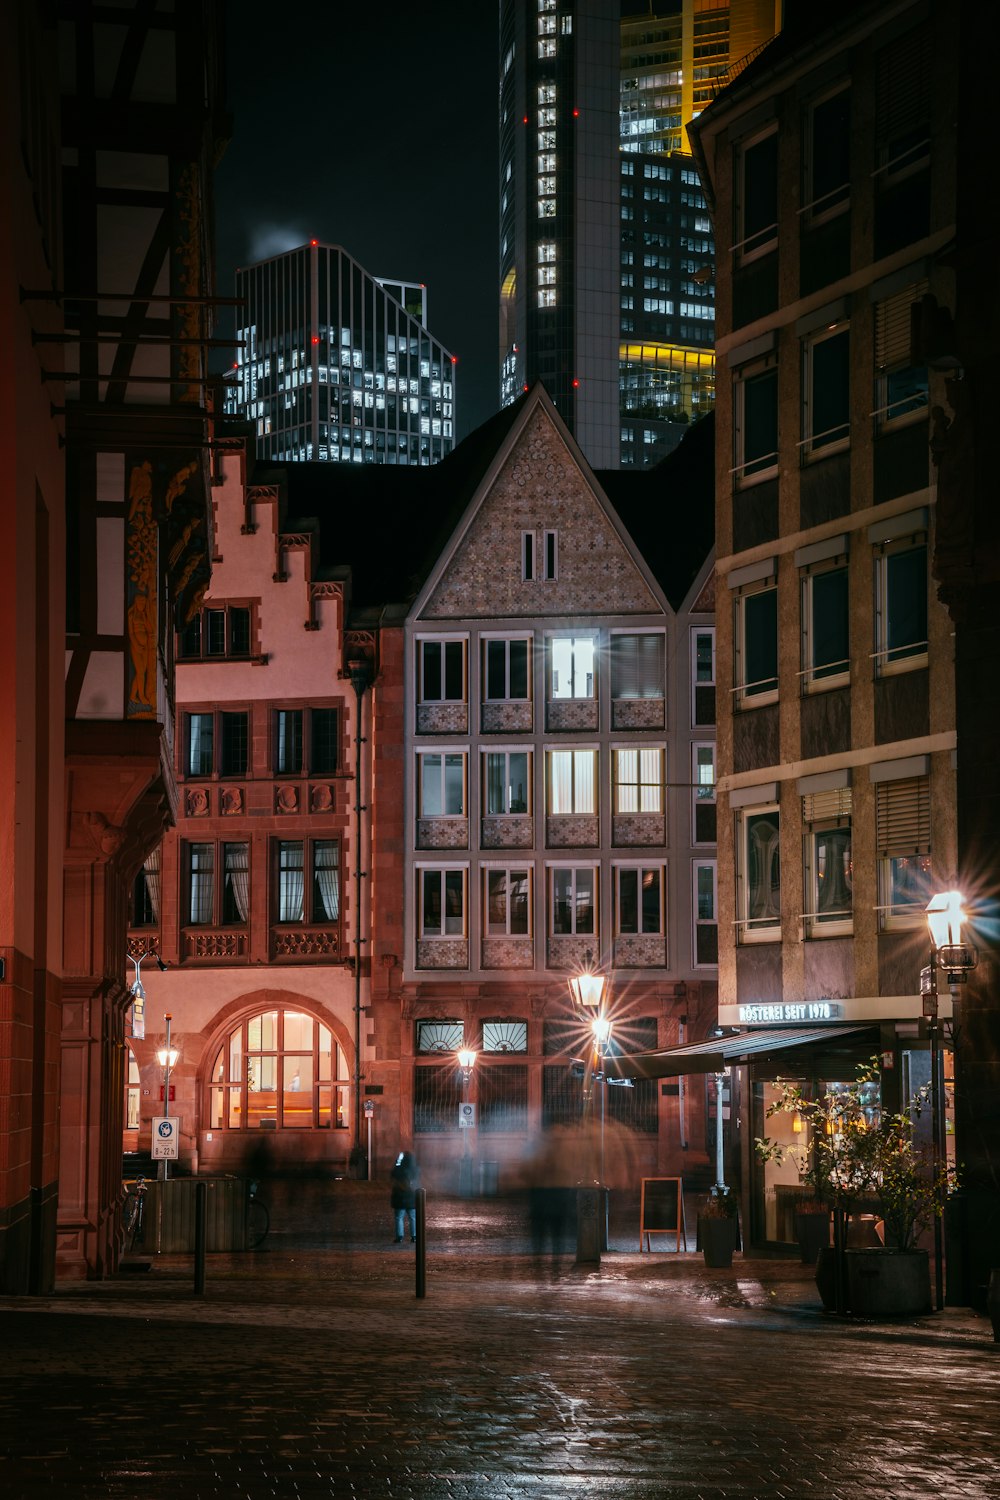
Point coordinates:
pixel 800 1010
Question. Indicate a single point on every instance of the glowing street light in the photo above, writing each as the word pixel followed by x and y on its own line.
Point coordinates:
pixel 167 1057
pixel 466 1059
pixel 588 991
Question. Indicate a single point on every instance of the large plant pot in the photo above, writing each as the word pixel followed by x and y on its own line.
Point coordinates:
pixel 826 1277
pixel 993 1303
pixel 717 1238
pixel 812 1231
pixel 888 1283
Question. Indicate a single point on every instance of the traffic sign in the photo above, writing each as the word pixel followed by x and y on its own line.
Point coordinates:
pixel 166 1137
pixel 466 1116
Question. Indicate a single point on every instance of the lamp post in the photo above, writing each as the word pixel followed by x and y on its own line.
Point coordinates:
pixel 359 670
pixel 945 920
pixel 588 991
pixel 466 1062
pixel 166 1056
pixel 720 1155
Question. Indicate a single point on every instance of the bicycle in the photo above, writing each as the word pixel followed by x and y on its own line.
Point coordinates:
pixel 134 1213
pixel 258 1219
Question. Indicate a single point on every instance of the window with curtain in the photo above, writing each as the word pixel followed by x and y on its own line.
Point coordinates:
pixel 572 781
pixel 236 883
pixel 308 880
pixel 639 779
pixel 637 669
pixel 201 883
pixel 760 872
pixel 829 870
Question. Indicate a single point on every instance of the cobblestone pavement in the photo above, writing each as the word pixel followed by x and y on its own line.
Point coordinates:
pixel 307 1372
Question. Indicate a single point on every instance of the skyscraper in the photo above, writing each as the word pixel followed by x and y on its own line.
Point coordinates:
pixel 336 364
pixel 606 253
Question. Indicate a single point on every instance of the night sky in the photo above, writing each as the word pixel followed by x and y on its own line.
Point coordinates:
pixel 373 127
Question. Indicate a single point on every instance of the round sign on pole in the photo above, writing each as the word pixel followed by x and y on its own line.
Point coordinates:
pixel 166 1137
pixel 466 1116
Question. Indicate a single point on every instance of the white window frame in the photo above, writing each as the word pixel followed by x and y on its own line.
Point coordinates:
pixel 896 917
pixel 507 751
pixel 507 641
pixel 590 636
pixel 621 638
pixel 742 696
pixel 765 928
pixel 442 641
pixel 885 665
pixel 444 752
pixel 696 919
pixel 633 868
pixel 811 683
pixel 576 752
pixel 703 792
pixel 646 790
pixel 836 200
pixel 522 867
pixel 424 871
pixel 764 240
pixel 839 922
pixel 696 631
pixel 766 464
pixel 820 444
pixel 575 868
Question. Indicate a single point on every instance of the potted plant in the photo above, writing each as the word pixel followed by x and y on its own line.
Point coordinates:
pixel 718 1228
pixel 857 1152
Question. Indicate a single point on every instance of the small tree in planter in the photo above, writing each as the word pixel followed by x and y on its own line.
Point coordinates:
pixel 857 1151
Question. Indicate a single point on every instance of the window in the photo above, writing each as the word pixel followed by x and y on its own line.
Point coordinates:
pixel 507 782
pixel 637 669
pixel 706 918
pixel 507 908
pixel 505 1036
pixel 441 784
pixel 308 888
pixel 550 557
pixel 903 74
pixel 572 781
pixel 527 556
pixel 757 646
pixel 217 742
pixel 440 1036
pixel 572 666
pixel 287 759
pixel 901 387
pixel 145 907
pixel 703 775
pixel 442 902
pixel 825 628
pixel 829 873
pixel 826 415
pixel 703 676
pixel 217 631
pixel 639 900
pixel 639 779
pixel 757 197
pixel 574 901
pixel 505 670
pixel 827 156
pixel 279 1070
pixel 901 606
pixel 759 875
pixel 442 671
pixel 217 880
pixel 755 432
pixel 903 846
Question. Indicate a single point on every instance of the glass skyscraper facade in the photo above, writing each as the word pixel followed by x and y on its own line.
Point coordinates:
pixel 607 261
pixel 336 364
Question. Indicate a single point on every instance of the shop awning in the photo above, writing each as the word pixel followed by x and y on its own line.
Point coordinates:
pixel 720 1051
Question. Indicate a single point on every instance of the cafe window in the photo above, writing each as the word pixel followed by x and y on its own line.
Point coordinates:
pixel 279 1070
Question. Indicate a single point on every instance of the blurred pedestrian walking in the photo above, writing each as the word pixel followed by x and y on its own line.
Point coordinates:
pixel 405 1179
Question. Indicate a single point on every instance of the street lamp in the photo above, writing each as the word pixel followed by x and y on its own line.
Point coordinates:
pixel 360 670
pixel 588 991
pixel 945 920
pixel 466 1062
pixel 166 1056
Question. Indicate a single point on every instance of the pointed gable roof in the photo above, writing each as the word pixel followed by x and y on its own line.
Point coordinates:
pixel 538 481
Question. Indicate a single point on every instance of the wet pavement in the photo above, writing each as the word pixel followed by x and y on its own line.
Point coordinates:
pixel 310 1368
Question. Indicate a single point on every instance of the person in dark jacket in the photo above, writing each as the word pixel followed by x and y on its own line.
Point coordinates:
pixel 405 1179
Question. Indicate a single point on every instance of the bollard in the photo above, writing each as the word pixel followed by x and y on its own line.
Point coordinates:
pixel 200 1215
pixel 421 1255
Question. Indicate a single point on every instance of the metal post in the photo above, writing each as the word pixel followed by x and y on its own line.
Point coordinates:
pixel 164 1172
pixel 359 671
pixel 720 1155
pixel 465 1177
pixel 200 1215
pixel 588 1193
pixel 421 1255
pixel 936 1121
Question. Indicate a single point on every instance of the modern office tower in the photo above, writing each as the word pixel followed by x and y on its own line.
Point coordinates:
pixel 336 364
pixel 627 394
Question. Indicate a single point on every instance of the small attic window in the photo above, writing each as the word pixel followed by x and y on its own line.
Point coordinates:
pixel 527 556
pixel 551 558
